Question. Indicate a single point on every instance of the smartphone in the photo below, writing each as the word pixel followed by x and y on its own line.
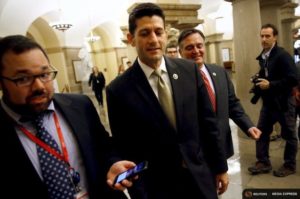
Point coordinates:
pixel 131 172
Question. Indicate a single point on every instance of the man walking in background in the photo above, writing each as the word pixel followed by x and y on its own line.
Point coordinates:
pixel 276 79
pixel 172 49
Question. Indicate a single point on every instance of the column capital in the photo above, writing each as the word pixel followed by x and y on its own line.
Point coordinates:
pixel 214 38
pixel 288 12
pixel 179 16
pixel 265 2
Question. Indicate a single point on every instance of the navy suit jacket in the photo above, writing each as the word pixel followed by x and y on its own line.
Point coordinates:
pixel 228 106
pixel 21 179
pixel 142 131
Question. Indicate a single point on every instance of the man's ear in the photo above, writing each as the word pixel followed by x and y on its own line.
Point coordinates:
pixel 180 52
pixel 130 39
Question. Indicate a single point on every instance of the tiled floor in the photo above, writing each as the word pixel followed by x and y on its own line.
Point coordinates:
pixel 244 156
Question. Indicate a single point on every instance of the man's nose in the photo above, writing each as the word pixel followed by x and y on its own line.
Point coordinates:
pixel 153 37
pixel 37 83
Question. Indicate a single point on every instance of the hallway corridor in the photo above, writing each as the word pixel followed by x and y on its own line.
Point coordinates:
pixel 240 178
pixel 244 156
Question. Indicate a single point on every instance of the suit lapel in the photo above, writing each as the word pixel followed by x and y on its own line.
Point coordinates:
pixel 147 95
pixel 139 80
pixel 71 115
pixel 177 89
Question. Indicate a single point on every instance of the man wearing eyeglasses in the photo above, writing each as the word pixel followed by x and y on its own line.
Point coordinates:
pixel 72 135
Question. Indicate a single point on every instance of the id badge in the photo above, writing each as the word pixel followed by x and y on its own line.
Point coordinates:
pixel 83 194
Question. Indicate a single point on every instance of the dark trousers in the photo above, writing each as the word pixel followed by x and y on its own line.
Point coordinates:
pixel 287 120
pixel 181 185
pixel 188 187
pixel 99 97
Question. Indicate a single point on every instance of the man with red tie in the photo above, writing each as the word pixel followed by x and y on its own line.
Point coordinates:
pixel 219 87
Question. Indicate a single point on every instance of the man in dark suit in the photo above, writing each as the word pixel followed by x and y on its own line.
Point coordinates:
pixel 142 130
pixel 71 121
pixel 277 77
pixel 227 105
pixel 297 97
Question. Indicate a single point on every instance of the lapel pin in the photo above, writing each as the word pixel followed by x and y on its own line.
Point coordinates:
pixel 214 74
pixel 175 76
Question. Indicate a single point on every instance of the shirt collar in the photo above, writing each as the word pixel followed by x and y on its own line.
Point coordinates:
pixel 148 70
pixel 205 70
pixel 267 54
pixel 15 116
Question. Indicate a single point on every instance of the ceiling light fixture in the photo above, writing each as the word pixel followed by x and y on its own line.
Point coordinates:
pixel 60 25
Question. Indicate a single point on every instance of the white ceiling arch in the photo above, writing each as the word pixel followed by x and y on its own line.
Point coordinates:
pixel 17 16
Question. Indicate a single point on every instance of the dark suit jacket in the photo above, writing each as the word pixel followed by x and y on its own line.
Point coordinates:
pixel 228 106
pixel 97 82
pixel 21 179
pixel 282 75
pixel 142 132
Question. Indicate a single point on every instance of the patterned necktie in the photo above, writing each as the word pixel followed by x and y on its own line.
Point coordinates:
pixel 209 89
pixel 165 98
pixel 55 172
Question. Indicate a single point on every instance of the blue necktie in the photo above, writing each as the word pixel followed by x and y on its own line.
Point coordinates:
pixel 55 172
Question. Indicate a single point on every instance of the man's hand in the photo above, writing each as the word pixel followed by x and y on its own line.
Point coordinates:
pixel 263 84
pixel 222 182
pixel 254 133
pixel 116 169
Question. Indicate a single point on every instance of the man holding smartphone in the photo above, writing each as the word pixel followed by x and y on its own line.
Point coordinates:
pixel 159 111
pixel 131 173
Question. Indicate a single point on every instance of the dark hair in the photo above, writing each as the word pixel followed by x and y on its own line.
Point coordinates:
pixel 273 27
pixel 187 32
pixel 142 10
pixel 17 44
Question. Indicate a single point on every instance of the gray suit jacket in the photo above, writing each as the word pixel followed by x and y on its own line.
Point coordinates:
pixel 228 106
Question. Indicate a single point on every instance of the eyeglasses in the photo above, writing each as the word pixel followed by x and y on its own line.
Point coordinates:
pixel 28 80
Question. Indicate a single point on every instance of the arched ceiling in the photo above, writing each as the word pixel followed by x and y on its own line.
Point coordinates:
pixel 18 16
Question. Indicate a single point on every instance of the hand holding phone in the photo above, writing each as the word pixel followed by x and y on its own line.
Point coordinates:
pixel 130 173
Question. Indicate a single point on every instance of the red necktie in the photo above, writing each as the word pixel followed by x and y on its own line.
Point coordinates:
pixel 211 94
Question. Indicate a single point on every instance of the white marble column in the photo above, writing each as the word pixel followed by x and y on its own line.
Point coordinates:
pixel 247 23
